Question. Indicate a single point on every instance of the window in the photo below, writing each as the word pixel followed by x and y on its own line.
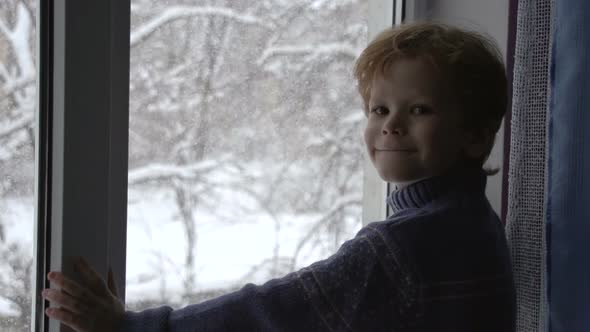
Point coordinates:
pixel 253 101
pixel 245 143
pixel 251 123
pixel 17 165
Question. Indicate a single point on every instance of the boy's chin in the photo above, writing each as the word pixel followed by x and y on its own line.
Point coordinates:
pixel 400 178
pixel 410 174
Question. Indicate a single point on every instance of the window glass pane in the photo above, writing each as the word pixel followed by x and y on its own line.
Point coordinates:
pixel 17 107
pixel 246 145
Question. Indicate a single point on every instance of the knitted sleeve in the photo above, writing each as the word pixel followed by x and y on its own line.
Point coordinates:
pixel 362 287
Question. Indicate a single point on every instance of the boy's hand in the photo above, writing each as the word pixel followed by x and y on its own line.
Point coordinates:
pixel 85 308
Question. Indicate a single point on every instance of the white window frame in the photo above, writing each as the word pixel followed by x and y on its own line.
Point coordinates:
pixel 82 140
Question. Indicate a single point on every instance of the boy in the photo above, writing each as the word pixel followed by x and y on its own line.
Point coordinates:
pixel 434 97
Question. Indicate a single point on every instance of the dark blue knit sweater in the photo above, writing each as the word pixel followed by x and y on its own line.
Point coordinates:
pixel 439 263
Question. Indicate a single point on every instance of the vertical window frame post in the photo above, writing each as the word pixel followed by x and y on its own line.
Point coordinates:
pixel 83 147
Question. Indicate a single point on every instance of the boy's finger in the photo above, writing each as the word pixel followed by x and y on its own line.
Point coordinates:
pixel 112 284
pixel 64 300
pixel 93 278
pixel 68 318
pixel 67 285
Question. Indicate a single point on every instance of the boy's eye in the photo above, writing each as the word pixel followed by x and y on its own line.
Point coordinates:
pixel 379 110
pixel 418 109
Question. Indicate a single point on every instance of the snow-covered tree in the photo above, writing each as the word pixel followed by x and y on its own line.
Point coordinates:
pixel 17 106
pixel 17 95
pixel 267 80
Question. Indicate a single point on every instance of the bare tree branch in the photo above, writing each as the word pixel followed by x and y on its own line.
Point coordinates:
pixel 336 208
pixel 16 85
pixel 4 29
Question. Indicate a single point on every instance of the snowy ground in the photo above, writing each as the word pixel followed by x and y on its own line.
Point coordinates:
pixel 17 215
pixel 225 252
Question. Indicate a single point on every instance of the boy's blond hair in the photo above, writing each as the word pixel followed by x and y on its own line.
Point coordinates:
pixel 472 62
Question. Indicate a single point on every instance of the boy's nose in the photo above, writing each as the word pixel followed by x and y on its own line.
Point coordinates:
pixel 394 131
pixel 394 125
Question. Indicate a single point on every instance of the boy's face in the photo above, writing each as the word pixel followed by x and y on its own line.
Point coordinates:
pixel 412 130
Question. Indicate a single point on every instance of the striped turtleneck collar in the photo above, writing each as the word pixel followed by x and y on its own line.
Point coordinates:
pixel 421 193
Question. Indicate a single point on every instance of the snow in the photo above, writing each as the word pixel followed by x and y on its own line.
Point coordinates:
pixel 17 215
pixel 329 4
pixel 154 172
pixel 18 38
pixel 227 248
pixel 354 116
pixel 311 50
pixel 179 12
pixel 225 252
pixel 15 125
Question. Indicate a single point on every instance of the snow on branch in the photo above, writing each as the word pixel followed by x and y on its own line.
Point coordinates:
pixel 19 40
pixel 180 12
pixel 309 50
pixel 15 125
pixel 13 85
pixel 158 172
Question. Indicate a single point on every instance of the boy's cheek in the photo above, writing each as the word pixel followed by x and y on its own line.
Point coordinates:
pixel 367 136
